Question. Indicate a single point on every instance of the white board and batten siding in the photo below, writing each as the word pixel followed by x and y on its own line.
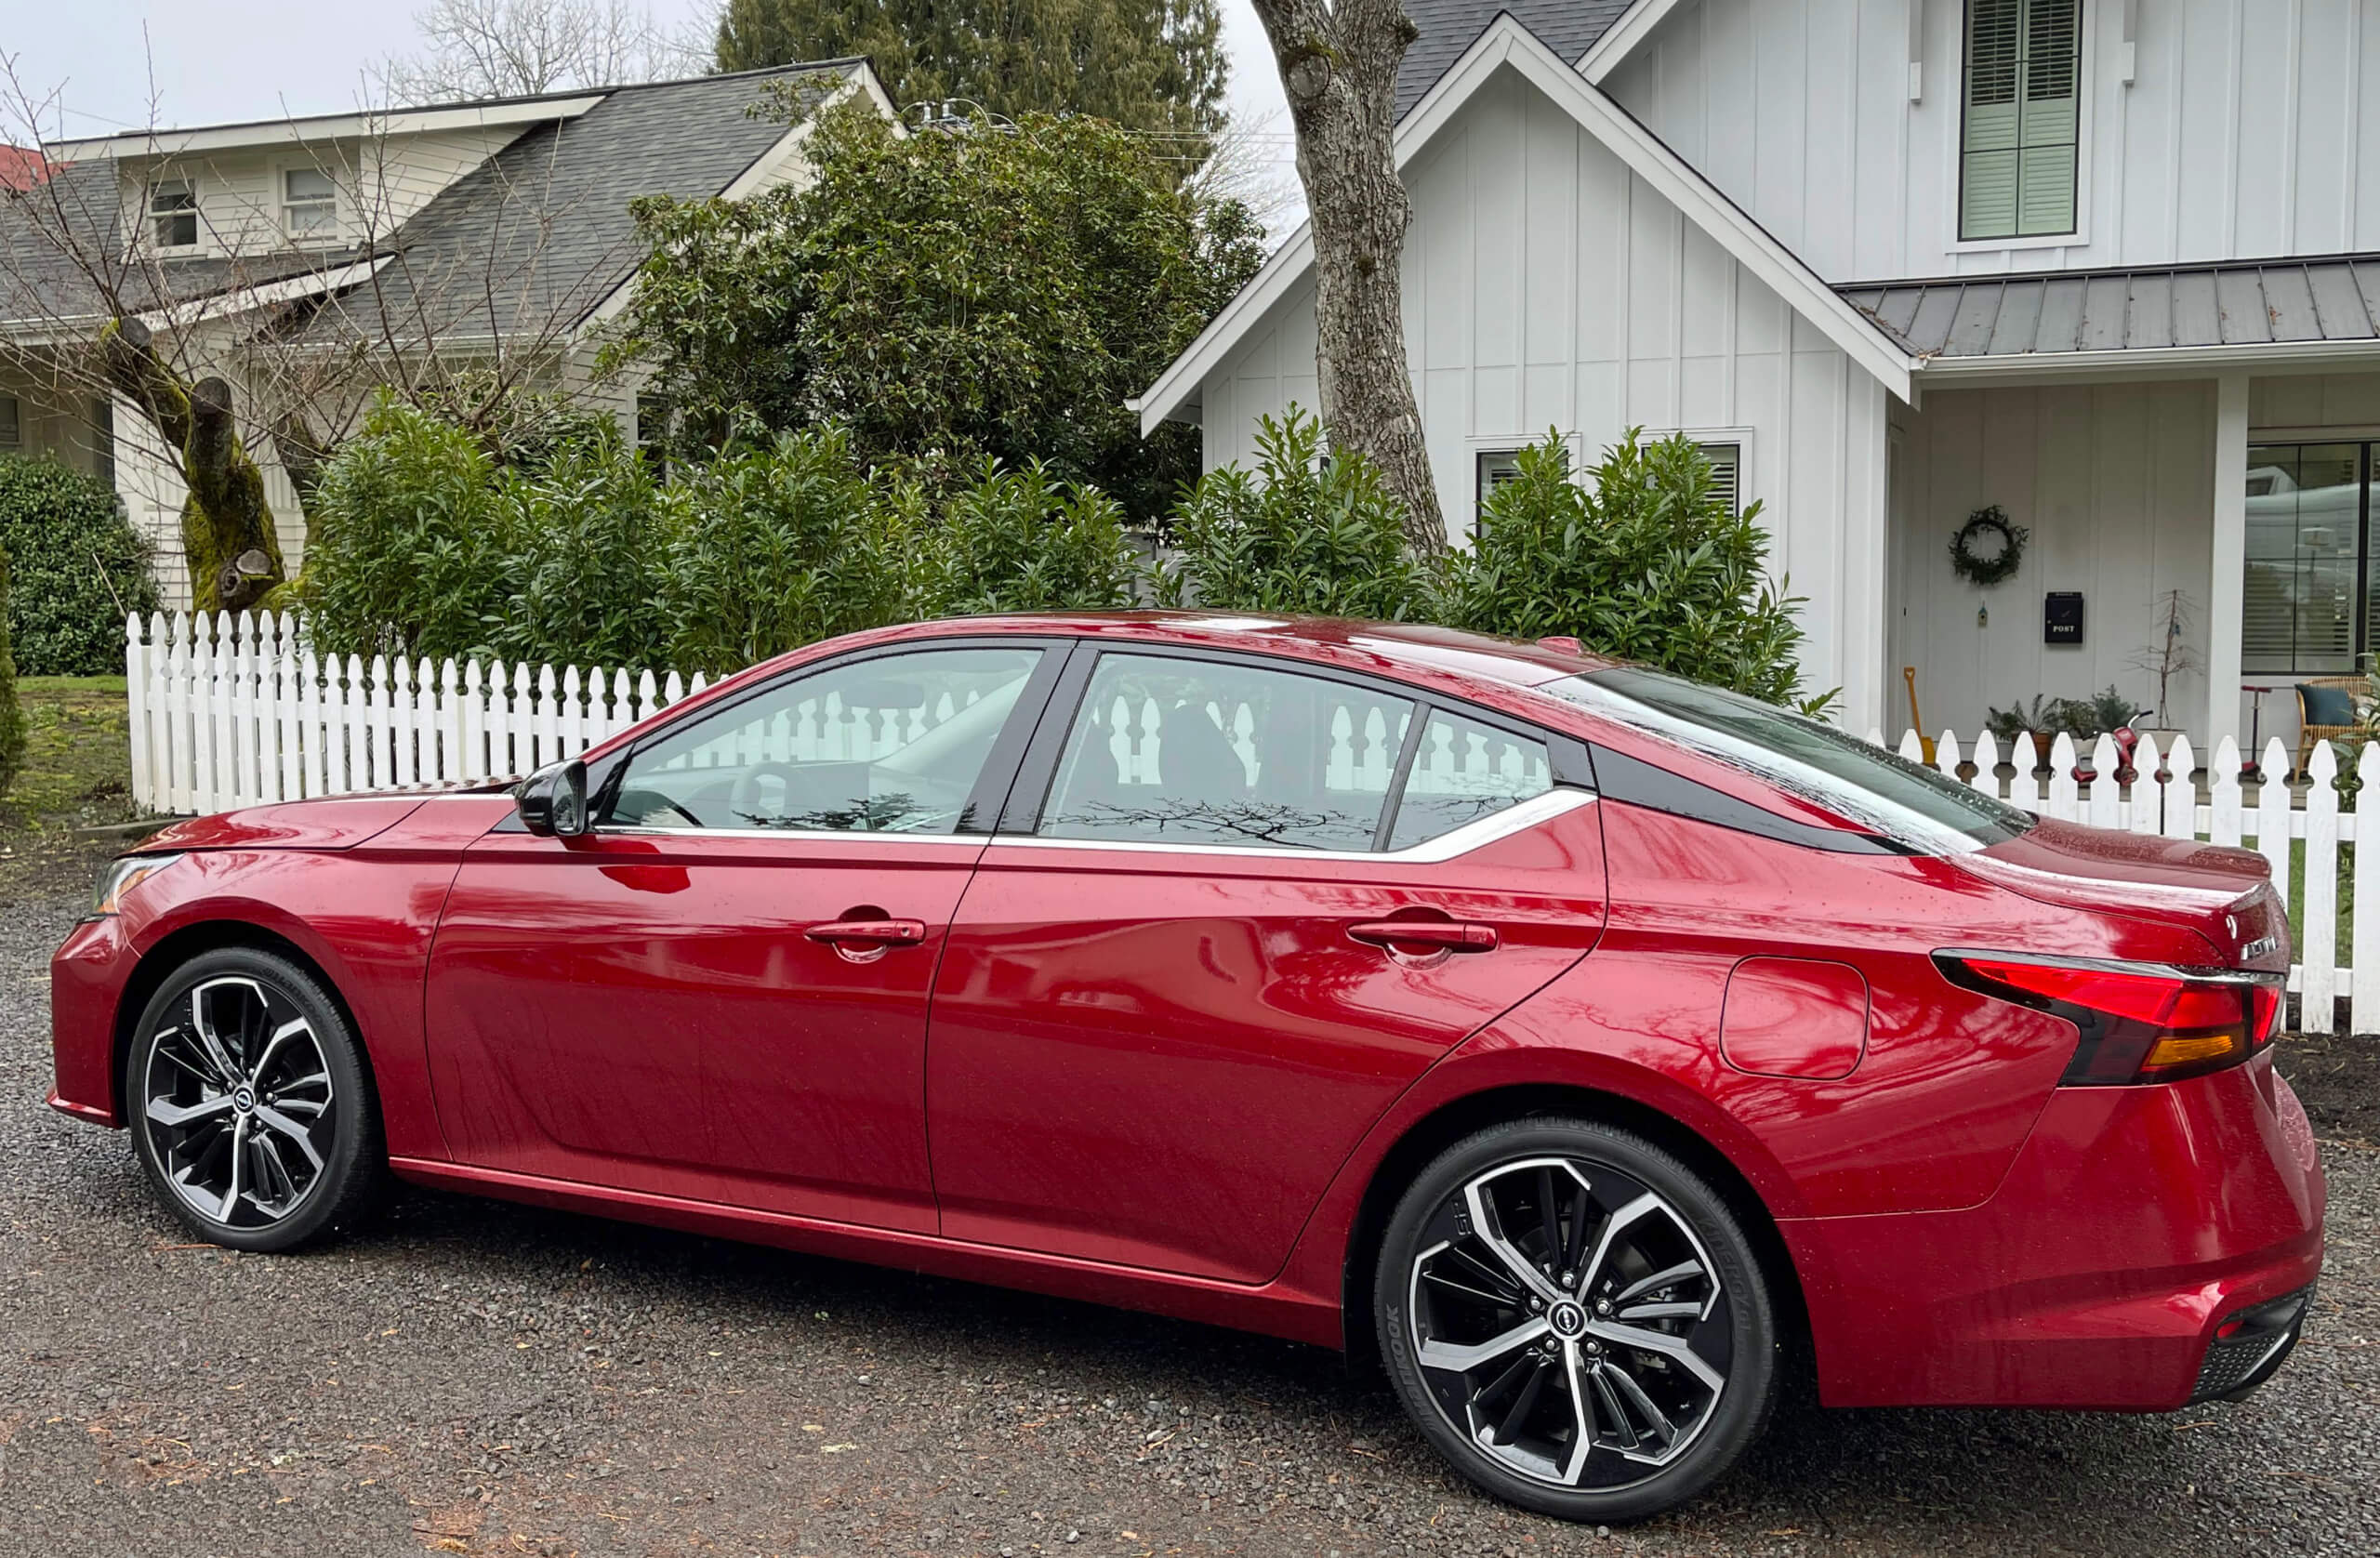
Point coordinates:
pixel 1546 286
pixel 2250 128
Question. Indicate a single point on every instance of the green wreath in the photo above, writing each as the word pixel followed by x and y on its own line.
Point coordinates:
pixel 1987 568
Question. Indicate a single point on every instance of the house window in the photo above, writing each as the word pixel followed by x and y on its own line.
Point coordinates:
pixel 173 208
pixel 309 204
pixel 2023 118
pixel 12 423
pixel 2307 602
pixel 104 440
pixel 653 432
pixel 1496 467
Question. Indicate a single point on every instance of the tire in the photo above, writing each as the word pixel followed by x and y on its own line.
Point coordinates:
pixel 251 1105
pixel 1492 1381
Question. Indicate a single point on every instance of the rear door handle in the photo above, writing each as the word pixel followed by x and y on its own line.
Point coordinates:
pixel 880 932
pixel 1438 935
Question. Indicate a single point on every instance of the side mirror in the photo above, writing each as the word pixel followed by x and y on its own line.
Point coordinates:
pixel 553 800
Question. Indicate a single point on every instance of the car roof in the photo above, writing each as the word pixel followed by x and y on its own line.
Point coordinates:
pixel 1410 648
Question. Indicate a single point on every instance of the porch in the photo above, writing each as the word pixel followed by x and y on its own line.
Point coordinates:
pixel 2245 496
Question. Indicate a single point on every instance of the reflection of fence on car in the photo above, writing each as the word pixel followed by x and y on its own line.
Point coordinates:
pixel 1360 757
pixel 826 729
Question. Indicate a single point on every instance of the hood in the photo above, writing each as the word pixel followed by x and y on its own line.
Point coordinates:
pixel 2223 894
pixel 331 822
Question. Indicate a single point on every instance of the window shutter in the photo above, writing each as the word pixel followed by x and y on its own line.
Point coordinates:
pixel 1726 475
pixel 1987 193
pixel 2049 116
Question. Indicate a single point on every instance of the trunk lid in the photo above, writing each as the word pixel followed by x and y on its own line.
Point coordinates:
pixel 2223 894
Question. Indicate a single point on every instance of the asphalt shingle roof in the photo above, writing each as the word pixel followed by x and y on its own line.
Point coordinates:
pixel 533 238
pixel 2236 303
pixel 529 241
pixel 1447 26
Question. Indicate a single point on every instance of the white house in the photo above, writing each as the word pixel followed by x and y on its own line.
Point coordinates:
pixel 2112 265
pixel 307 260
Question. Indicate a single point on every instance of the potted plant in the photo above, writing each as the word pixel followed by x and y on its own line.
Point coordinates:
pixel 2042 720
pixel 2169 655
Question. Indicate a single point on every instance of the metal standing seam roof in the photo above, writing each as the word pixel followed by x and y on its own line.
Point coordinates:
pixel 2334 298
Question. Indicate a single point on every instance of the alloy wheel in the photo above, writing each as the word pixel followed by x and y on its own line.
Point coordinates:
pixel 237 1103
pixel 1569 1323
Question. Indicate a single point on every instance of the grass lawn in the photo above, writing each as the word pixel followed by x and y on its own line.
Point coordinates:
pixel 78 755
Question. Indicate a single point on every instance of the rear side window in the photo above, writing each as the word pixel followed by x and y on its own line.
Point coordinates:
pixel 1462 771
pixel 1896 799
pixel 1185 751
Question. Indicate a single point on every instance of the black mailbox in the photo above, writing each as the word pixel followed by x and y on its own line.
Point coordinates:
pixel 2062 617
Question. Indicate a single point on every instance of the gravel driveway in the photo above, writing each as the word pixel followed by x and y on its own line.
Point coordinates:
pixel 478 1378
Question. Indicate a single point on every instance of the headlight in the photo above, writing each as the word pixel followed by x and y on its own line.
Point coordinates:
pixel 122 874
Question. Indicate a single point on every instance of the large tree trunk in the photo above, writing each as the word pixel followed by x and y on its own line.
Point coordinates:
pixel 1338 65
pixel 228 536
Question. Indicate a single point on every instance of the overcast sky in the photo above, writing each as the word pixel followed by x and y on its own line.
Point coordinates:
pixel 224 60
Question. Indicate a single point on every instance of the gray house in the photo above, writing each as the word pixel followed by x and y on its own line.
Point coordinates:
pixel 309 259
pixel 2110 265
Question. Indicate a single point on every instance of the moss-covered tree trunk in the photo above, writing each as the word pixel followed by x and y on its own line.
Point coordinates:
pixel 228 536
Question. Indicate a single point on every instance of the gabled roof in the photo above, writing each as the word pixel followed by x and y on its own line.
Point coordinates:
pixel 1506 42
pixel 540 234
pixel 1449 27
pixel 535 238
pixel 2251 303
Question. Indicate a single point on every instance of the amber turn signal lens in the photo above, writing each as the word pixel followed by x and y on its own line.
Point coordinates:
pixel 2201 1051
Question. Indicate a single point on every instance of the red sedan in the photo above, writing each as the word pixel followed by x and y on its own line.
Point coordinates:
pixel 1588 1046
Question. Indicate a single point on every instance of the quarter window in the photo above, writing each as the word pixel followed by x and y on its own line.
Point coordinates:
pixel 310 204
pixel 1464 771
pixel 890 745
pixel 173 208
pixel 1181 751
pixel 2022 119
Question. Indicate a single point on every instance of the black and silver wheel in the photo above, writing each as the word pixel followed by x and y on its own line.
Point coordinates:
pixel 250 1103
pixel 1575 1320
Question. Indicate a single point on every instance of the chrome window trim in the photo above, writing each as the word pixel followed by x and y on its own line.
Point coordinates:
pixel 799 834
pixel 1517 818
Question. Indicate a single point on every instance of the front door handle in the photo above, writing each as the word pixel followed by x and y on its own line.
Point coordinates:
pixel 1435 935
pixel 878 932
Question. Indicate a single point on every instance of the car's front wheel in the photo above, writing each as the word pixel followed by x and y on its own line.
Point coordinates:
pixel 1576 1320
pixel 250 1103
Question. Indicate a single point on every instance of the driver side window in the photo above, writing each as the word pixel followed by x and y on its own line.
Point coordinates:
pixel 889 745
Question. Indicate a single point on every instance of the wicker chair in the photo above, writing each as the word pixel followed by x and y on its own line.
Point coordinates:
pixel 2358 688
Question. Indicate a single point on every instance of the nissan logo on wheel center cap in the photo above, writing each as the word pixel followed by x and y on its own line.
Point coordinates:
pixel 243 1100
pixel 1567 1319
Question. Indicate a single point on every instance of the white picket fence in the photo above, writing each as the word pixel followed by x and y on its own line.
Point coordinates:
pixel 238 712
pixel 229 712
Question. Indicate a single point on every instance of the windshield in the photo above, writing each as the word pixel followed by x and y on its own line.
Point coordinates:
pixel 1865 785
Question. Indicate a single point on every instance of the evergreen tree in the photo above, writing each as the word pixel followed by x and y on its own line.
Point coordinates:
pixel 1148 65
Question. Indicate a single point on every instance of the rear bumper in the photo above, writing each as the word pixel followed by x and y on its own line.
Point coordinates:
pixel 86 979
pixel 2134 1224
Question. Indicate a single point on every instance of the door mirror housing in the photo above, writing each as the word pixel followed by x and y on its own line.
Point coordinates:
pixel 552 802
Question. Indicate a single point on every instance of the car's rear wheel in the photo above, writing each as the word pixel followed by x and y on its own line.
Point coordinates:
pixel 1576 1320
pixel 250 1103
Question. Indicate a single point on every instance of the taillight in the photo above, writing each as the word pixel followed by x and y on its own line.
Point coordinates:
pixel 2138 1021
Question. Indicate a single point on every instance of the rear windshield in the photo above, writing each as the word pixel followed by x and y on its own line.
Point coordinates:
pixel 1913 806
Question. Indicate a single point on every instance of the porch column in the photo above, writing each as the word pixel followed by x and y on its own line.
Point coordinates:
pixel 2224 590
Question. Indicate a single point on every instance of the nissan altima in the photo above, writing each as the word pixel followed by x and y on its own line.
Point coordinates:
pixel 1587 1048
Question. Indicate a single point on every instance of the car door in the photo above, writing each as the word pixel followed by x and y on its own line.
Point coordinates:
pixel 1258 900
pixel 720 991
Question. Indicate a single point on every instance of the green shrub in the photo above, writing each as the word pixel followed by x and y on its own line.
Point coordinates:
pixel 1297 535
pixel 409 546
pixel 1638 561
pixel 79 568
pixel 1024 541
pixel 12 719
pixel 585 547
pixel 776 547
